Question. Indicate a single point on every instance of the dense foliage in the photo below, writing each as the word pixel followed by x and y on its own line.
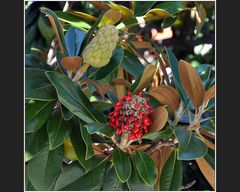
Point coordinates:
pixel 119 96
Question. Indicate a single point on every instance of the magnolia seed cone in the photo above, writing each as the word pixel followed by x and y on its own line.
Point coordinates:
pixel 99 51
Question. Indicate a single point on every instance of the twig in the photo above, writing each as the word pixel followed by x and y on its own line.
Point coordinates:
pixel 159 144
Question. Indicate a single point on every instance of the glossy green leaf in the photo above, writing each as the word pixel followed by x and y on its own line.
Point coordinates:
pixel 140 8
pixel 72 97
pixel 80 148
pixel 208 129
pixel 73 181
pixel 135 183
pixel 172 7
pixel 67 115
pixel 35 142
pixel 146 168
pixel 111 181
pixel 74 38
pixel 74 21
pixel 59 57
pixel 132 64
pixel 174 66
pixel 69 175
pixel 167 22
pixel 172 174
pixel 122 165
pixel 32 61
pixel 45 167
pixel 113 64
pixel 210 158
pixel 87 140
pixel 102 105
pixel 99 128
pixel 36 114
pixel 58 130
pixel 45 28
pixel 37 86
pixel 190 145
pixel 163 134
pixel 57 28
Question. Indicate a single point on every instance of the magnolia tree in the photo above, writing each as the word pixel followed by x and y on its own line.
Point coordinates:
pixel 99 115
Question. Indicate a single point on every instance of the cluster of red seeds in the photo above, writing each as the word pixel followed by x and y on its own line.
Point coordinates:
pixel 131 115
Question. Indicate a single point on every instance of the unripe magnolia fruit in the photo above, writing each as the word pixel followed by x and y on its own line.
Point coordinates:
pixel 99 51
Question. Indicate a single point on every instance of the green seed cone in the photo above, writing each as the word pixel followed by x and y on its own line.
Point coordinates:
pixel 99 51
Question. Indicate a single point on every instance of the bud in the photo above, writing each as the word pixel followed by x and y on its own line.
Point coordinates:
pixel 99 51
pixel 131 115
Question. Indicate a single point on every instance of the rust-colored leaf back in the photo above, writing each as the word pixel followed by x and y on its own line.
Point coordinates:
pixel 166 95
pixel 71 63
pixel 159 118
pixel 210 93
pixel 192 83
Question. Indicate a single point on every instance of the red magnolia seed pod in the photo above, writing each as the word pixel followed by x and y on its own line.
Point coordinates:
pixel 131 115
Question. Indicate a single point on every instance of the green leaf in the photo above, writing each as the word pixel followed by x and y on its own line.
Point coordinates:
pixel 174 66
pixel 59 57
pixel 168 22
pixel 36 114
pixel 153 102
pixel 172 174
pixel 37 86
pixel 57 28
pixel 67 115
pixel 140 8
pixel 132 64
pixel 99 128
pixel 74 21
pixel 74 38
pixel 87 140
pixel 80 148
pixel 135 183
pixel 163 134
pixel 122 165
pixel 146 168
pixel 45 28
pixel 102 105
pixel 32 61
pixel 113 64
pixel 190 145
pixel 35 142
pixel 72 97
pixel 111 181
pixel 210 158
pixel 45 167
pixel 58 130
pixel 69 175
pixel 73 180
pixel 172 7
pixel 208 129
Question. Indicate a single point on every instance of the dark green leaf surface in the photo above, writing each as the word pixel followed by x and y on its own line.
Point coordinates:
pixel 135 183
pixel 72 97
pixel 132 64
pixel 74 38
pixel 210 158
pixel 36 114
pixel 45 28
pixel 44 168
pixel 37 86
pixel 190 145
pixel 171 175
pixel 122 165
pixel 67 115
pixel 58 130
pixel 35 142
pixel 87 140
pixel 91 181
pixel 50 13
pixel 69 175
pixel 172 7
pixel 141 7
pixel 80 148
pixel 113 64
pixel 99 128
pixel 174 66
pixel 111 181
pixel 32 61
pixel 146 168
